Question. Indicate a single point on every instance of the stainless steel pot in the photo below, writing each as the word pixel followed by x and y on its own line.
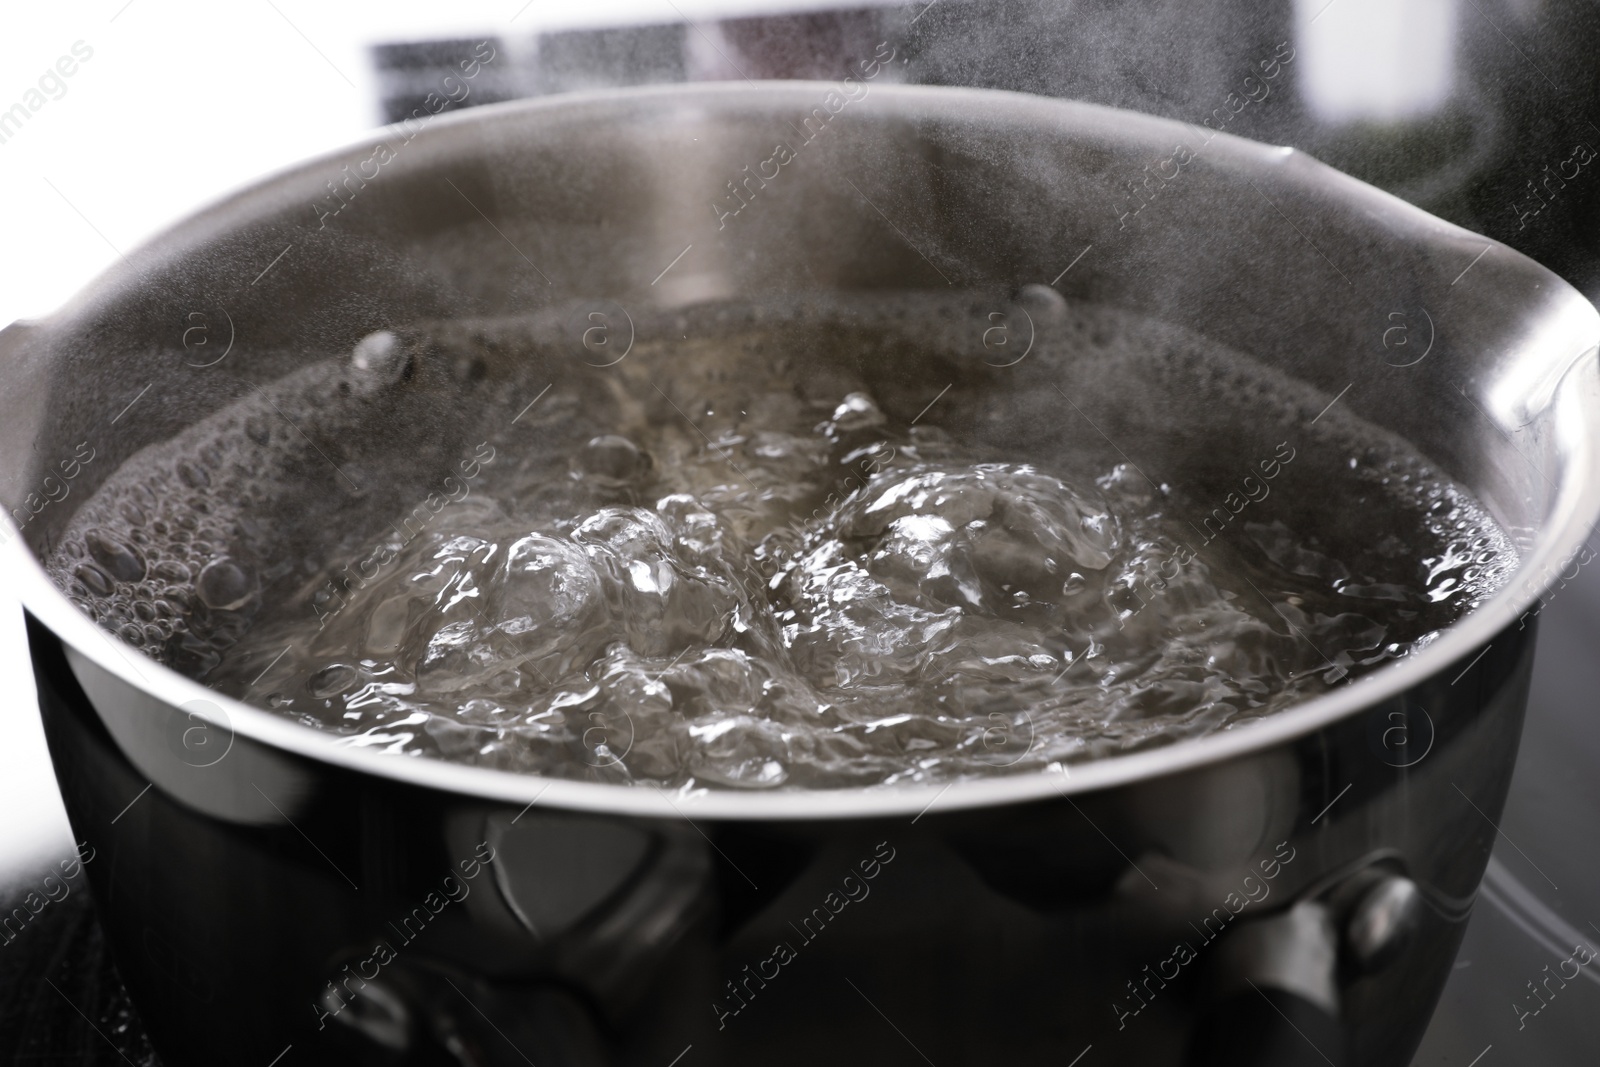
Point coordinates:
pixel 1316 867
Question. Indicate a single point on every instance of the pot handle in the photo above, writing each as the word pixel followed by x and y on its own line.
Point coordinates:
pixel 1276 989
pixel 1278 978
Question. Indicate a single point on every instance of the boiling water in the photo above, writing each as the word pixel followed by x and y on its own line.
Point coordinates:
pixel 817 545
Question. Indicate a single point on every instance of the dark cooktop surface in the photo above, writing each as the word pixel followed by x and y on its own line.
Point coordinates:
pixel 60 999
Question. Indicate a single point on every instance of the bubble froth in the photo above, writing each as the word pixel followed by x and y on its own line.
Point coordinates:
pixel 756 557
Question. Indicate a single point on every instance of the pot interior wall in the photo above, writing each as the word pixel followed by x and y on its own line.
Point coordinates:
pixel 759 193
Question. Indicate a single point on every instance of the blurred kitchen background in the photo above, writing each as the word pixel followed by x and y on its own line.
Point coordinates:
pixel 1481 111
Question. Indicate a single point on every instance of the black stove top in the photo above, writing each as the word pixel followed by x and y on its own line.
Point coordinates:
pixel 60 999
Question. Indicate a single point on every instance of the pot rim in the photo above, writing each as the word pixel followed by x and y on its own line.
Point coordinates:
pixel 1570 516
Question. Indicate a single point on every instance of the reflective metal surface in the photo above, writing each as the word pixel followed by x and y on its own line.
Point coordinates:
pixel 600 925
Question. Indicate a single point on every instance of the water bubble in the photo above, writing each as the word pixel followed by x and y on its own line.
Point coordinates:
pixel 223 585
pixel 193 475
pixel 93 579
pixel 332 680
pixel 386 629
pixel 613 461
pixel 258 429
pixel 118 558
pixel 825 596
pixel 858 411
pixel 1042 302
pixel 381 357
pixel 170 570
